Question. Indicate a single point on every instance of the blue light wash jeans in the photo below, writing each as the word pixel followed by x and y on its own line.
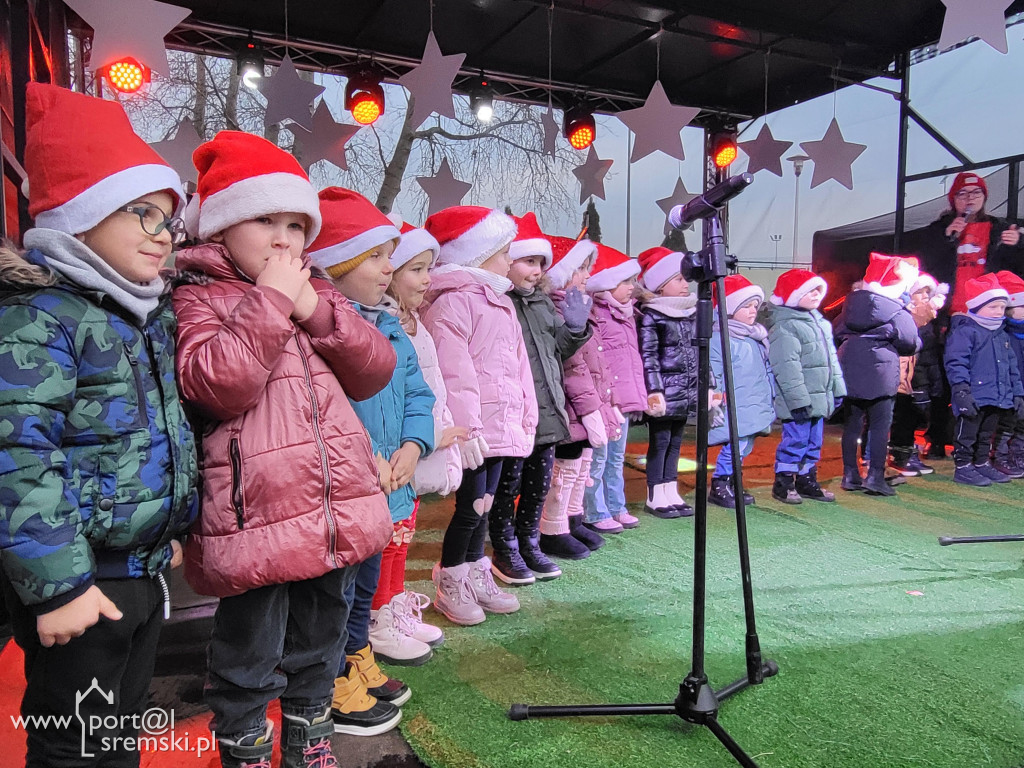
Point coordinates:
pixel 723 466
pixel 607 496
pixel 800 447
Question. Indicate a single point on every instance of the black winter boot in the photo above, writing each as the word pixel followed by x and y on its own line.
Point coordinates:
pixel 852 481
pixel 807 486
pixel 248 752
pixel 875 483
pixel 508 564
pixel 721 492
pixel 563 545
pixel 592 539
pixel 307 744
pixel 784 488
pixel 543 569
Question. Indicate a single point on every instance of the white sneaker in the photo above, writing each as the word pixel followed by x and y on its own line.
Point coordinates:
pixel 390 644
pixel 409 606
pixel 486 592
pixel 455 598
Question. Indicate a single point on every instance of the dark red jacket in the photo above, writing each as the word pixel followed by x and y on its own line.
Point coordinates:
pixel 290 486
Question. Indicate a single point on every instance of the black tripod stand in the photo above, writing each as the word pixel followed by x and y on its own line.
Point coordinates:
pixel 697 701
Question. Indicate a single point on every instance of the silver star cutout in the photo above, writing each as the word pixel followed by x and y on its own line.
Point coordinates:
pixel 985 19
pixel 123 28
pixel 430 82
pixel 591 175
pixel 679 196
pixel 656 125
pixel 178 151
pixel 443 189
pixel 326 141
pixel 833 156
pixel 288 96
pixel 550 132
pixel 765 152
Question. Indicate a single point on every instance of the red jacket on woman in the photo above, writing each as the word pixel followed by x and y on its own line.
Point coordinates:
pixel 290 486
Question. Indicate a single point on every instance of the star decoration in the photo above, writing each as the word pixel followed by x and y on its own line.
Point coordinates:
pixel 765 152
pixel 178 151
pixel 118 33
pixel 833 156
pixel 430 83
pixel 326 141
pixel 984 19
pixel 288 96
pixel 656 125
pixel 679 196
pixel 550 131
pixel 591 175
pixel 443 189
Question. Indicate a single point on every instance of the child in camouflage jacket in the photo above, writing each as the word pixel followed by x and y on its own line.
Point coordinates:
pixel 97 461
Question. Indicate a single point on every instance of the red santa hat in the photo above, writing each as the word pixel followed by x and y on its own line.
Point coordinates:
pixel 738 291
pixel 1014 286
pixel 414 241
pixel 530 241
pixel 568 255
pixel 352 226
pixel 966 179
pixel 984 289
pixel 793 285
pixel 84 160
pixel 241 177
pixel 890 276
pixel 611 268
pixel 470 234
pixel 658 266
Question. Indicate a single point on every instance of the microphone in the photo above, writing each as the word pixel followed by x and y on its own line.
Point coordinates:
pixel 955 236
pixel 710 202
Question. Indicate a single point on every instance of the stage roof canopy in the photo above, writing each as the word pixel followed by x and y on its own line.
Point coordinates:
pixel 713 53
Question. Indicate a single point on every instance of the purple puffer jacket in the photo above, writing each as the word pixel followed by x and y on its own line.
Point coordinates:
pixel 588 383
pixel 617 327
pixel 484 362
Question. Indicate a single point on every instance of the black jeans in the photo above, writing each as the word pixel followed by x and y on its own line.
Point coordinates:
pixel 528 479
pixel 664 441
pixel 359 596
pixel 117 655
pixel 1010 436
pixel 464 537
pixel 281 641
pixel 972 440
pixel 907 417
pixel 878 413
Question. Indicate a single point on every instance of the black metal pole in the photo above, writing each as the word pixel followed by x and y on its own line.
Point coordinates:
pixel 947 540
pixel 903 66
pixel 1013 191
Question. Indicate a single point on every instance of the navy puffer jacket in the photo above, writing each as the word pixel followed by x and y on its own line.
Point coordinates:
pixel 873 331
pixel 670 360
pixel 984 360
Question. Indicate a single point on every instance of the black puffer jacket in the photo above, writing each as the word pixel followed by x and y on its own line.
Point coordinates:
pixel 873 332
pixel 937 253
pixel 670 360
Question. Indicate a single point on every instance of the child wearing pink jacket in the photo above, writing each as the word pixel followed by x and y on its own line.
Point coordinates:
pixel 487 375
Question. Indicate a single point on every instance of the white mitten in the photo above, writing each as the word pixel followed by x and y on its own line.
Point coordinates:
pixel 597 435
pixel 473 452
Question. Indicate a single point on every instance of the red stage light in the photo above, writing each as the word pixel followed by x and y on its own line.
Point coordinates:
pixel 723 150
pixel 579 127
pixel 127 75
pixel 364 98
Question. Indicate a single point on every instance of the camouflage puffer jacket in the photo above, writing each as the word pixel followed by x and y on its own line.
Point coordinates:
pixel 97 461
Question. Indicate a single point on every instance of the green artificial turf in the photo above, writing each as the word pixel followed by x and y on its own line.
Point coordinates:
pixel 871 675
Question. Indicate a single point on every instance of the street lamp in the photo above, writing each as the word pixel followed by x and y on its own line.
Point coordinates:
pixel 775 239
pixel 798 167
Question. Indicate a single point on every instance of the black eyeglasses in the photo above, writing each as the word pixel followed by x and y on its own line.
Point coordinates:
pixel 154 221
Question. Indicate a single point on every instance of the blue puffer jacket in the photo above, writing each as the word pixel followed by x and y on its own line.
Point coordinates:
pixel 1015 329
pixel 670 360
pixel 402 412
pixel 872 332
pixel 983 359
pixel 753 383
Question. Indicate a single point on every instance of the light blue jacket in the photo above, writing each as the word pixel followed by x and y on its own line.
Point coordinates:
pixel 401 412
pixel 753 383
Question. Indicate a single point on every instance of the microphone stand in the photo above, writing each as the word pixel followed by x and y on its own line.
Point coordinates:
pixel 697 702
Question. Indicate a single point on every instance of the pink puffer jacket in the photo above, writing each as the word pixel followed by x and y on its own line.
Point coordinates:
pixel 484 362
pixel 290 487
pixel 622 351
pixel 588 383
